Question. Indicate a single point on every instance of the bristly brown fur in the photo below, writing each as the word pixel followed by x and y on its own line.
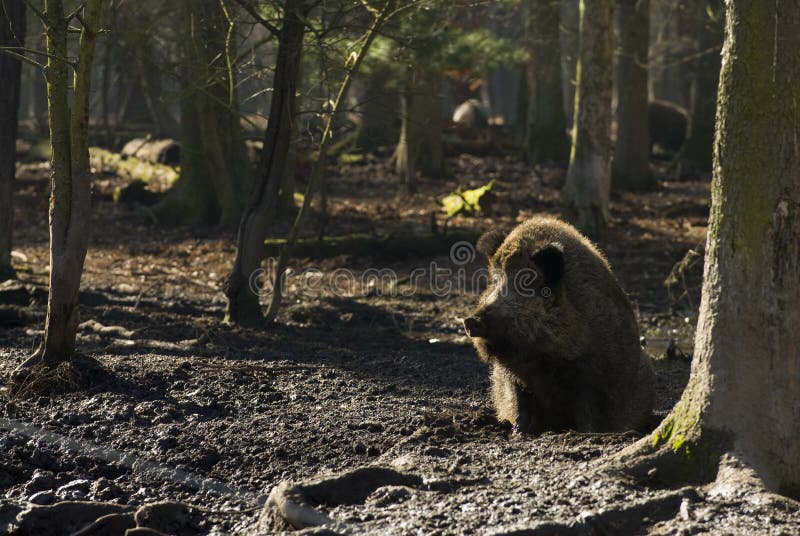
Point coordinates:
pixel 565 353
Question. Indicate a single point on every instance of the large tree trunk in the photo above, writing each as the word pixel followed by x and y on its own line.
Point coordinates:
pixel 545 133
pixel 215 171
pixel 697 151
pixel 744 391
pixel 587 189
pixel 631 166
pixel 12 34
pixel 243 305
pixel 71 187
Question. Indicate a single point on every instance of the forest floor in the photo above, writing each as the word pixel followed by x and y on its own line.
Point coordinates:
pixel 187 409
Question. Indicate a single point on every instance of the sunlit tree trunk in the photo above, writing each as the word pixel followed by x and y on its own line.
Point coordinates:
pixel 243 305
pixel 744 391
pixel 545 132
pixel 405 154
pixel 12 34
pixel 70 179
pixel 631 166
pixel 587 189
pixel 697 151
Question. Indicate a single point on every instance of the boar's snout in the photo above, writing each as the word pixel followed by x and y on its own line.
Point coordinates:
pixel 475 326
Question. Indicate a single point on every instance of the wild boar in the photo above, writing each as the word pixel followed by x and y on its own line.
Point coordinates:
pixel 560 334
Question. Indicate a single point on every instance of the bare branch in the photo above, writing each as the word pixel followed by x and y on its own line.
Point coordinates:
pixel 39 14
pixel 76 14
pixel 261 20
pixel 8 51
pixel 19 50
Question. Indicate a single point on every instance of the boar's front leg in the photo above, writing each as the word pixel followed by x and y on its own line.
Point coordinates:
pixel 512 402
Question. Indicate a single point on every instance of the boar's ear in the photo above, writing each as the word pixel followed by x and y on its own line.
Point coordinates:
pixel 550 260
pixel 489 242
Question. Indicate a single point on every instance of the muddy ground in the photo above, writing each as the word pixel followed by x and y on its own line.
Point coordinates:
pixel 187 409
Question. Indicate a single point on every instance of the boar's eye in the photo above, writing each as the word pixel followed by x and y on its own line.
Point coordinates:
pixel 550 260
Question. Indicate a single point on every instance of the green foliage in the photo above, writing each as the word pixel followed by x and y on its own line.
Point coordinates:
pixel 466 201
pixel 439 35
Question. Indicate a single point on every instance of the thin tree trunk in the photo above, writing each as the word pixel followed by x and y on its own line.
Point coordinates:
pixel 697 151
pixel 569 37
pixel 277 291
pixel 12 34
pixel 214 167
pixel 631 167
pixel 587 189
pixel 379 111
pixel 546 137
pixel 243 305
pixel 744 391
pixel 427 123
pixel 405 154
pixel 71 187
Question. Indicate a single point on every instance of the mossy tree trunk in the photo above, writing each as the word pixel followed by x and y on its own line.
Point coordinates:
pixel 243 302
pixel 12 34
pixel 69 179
pixel 545 130
pixel 631 165
pixel 698 148
pixel 744 391
pixel 215 170
pixel 587 189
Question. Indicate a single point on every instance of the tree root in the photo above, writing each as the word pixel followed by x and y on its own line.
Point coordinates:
pixel 292 506
pixel 34 377
pixel 627 520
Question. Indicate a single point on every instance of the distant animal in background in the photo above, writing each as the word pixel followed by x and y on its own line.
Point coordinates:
pixel 559 333
pixel 471 114
pixel 668 124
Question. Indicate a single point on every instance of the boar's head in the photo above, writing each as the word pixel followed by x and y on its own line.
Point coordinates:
pixel 519 309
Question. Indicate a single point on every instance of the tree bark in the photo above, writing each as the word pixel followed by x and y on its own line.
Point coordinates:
pixel 744 391
pixel 215 171
pixel 587 189
pixel 243 305
pixel 405 154
pixel 631 166
pixel 70 178
pixel 379 110
pixel 420 147
pixel 569 38
pixel 697 151
pixel 545 132
pixel 12 34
